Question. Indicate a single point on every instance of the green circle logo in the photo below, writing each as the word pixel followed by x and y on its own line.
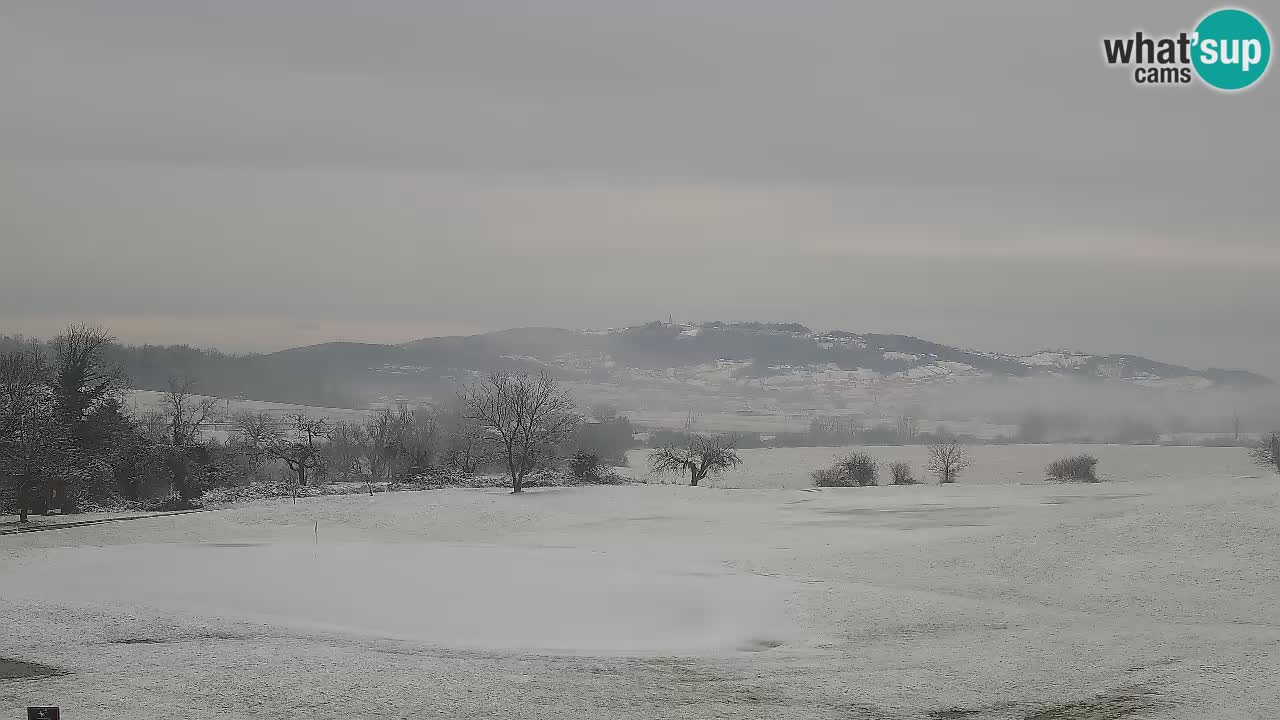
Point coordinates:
pixel 1231 49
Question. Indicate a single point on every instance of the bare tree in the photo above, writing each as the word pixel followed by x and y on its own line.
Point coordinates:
pixel 1267 451
pixel 468 445
pixel 251 436
pixel 420 440
pixel 257 428
pixel 528 415
pixel 345 448
pixel 908 429
pixel 700 456
pixel 185 413
pixel 947 459
pixel 385 431
pixel 154 425
pixel 298 445
pixel 833 430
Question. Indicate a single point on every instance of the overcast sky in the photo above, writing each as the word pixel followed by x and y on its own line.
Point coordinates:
pixel 256 175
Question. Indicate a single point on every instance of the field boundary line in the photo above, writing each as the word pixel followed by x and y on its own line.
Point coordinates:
pixel 98 521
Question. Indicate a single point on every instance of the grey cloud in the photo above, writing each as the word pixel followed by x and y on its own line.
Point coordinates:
pixel 414 161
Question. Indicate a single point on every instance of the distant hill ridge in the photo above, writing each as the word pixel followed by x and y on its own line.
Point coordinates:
pixel 712 355
pixel 769 347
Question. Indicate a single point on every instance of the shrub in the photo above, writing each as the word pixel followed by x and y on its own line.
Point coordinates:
pixel 1267 452
pixel 856 470
pixel 585 466
pixel 1080 468
pixel 171 503
pixel 901 472
pixel 552 477
pixel 826 477
pixel 606 478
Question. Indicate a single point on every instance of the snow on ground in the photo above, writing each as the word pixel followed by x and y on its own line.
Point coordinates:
pixel 1155 595
pixel 458 595
pixel 142 400
pixel 774 422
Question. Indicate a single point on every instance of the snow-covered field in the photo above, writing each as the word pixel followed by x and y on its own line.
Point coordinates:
pixel 143 400
pixel 1155 595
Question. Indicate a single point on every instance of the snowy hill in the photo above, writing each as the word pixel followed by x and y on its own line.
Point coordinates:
pixel 735 365
pixel 770 350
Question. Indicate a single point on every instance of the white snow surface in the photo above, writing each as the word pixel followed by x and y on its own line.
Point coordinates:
pixel 1002 595
pixel 547 599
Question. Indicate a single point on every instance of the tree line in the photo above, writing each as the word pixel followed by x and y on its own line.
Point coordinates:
pixel 68 440
pixel 261 377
